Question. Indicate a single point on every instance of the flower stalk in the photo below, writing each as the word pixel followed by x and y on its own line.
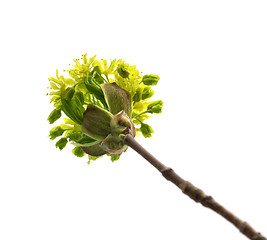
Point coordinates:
pixel 193 192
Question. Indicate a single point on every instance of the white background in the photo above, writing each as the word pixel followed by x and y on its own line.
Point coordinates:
pixel 212 60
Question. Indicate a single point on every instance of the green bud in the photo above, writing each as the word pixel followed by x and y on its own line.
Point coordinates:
pixel 98 77
pixel 138 94
pixel 146 130
pixel 68 93
pixel 122 70
pixel 111 145
pixel 150 79
pixel 61 143
pixel 56 132
pixel 97 69
pixel 79 98
pixel 54 115
pixel 120 125
pixel 147 93
pixel 155 107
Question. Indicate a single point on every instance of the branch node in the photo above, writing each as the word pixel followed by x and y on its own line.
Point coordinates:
pixel 165 169
pixel 258 236
pixel 206 201
pixel 243 227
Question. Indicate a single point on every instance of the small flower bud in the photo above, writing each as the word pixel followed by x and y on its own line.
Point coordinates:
pixel 79 98
pixel 121 125
pixel 147 93
pixel 56 132
pixel 155 107
pixel 122 70
pixel 150 79
pixel 138 95
pixel 68 93
pixel 97 69
pixel 54 115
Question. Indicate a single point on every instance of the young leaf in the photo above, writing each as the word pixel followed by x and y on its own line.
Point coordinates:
pixel 72 105
pixel 61 143
pixel 78 152
pixel 147 93
pixel 146 130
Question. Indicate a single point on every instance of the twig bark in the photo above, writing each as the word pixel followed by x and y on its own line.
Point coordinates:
pixel 193 192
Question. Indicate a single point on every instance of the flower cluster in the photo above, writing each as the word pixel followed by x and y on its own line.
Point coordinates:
pixel 100 102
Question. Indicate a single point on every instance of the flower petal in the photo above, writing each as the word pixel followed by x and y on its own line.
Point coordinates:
pixel 117 98
pixel 96 122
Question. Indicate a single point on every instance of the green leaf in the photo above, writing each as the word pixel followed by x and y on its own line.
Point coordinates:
pixel 114 157
pixel 61 143
pixel 146 130
pixel 80 138
pixel 96 122
pixel 150 79
pixel 54 115
pixel 92 83
pixel 92 158
pixel 56 132
pixel 155 107
pixel 78 152
pixel 117 98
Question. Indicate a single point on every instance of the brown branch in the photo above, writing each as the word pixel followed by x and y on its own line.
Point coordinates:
pixel 193 192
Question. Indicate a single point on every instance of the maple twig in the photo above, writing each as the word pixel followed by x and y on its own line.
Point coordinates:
pixel 193 192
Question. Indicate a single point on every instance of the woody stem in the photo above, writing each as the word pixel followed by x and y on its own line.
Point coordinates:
pixel 193 192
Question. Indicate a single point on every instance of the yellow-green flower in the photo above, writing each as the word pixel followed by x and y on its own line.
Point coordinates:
pixel 101 101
